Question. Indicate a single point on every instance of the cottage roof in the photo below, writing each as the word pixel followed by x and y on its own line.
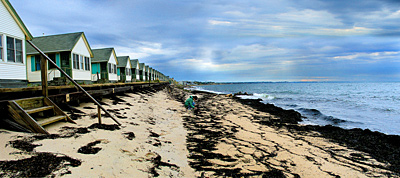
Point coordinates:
pixel 17 19
pixel 103 55
pixel 134 63
pixel 141 66
pixel 122 61
pixel 57 43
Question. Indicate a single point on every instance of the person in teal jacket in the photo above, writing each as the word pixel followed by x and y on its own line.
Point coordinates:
pixel 189 103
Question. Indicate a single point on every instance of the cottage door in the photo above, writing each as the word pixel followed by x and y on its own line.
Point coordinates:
pixel 66 63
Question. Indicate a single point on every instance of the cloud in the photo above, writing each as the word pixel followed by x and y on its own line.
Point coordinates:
pixel 369 57
pixel 309 17
pixel 230 39
pixel 217 22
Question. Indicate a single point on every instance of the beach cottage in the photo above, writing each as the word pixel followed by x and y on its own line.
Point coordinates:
pixel 135 70
pixel 13 34
pixel 151 73
pixel 69 51
pixel 104 65
pixel 157 75
pixel 154 74
pixel 142 69
pixel 124 69
pixel 147 73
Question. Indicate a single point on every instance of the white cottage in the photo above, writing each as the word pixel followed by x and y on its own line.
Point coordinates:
pixel 13 34
pixel 135 70
pixel 104 65
pixel 69 51
pixel 124 69
pixel 142 71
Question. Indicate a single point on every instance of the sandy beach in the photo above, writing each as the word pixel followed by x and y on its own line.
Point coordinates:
pixel 222 137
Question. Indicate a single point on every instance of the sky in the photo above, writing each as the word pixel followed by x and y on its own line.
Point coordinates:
pixel 236 40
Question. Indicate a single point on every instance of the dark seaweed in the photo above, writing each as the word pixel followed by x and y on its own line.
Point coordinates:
pixel 129 135
pixel 89 148
pixel 104 126
pixel 40 165
pixel 23 145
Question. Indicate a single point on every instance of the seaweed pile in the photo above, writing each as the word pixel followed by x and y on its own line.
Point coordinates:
pixel 89 148
pixel 39 165
pixel 42 164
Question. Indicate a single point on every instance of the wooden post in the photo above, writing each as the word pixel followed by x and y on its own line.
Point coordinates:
pixel 72 80
pixel 43 68
pixel 99 114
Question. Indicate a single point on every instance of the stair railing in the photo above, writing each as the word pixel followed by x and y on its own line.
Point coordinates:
pixel 54 74
pixel 44 82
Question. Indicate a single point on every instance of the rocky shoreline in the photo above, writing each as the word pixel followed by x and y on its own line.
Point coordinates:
pixel 367 144
pixel 382 147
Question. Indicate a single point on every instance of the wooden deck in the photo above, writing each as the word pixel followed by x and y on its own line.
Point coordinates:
pixel 62 94
pixel 7 94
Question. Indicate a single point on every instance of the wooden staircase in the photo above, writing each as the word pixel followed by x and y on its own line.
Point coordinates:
pixel 35 113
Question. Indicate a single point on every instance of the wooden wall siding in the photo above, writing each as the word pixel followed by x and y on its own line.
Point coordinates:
pixel 35 76
pixel 8 27
pixel 128 66
pixel 81 49
pixel 137 71
pixel 112 76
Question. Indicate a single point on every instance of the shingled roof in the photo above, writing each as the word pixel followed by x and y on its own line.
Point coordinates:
pixel 55 43
pixel 102 55
pixel 141 66
pixel 122 61
pixel 134 63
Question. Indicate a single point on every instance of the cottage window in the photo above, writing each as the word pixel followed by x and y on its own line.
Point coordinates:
pixel 115 69
pixel 37 63
pixel 18 51
pixel 10 50
pixel 14 50
pixel 87 63
pixel 127 71
pixel 81 62
pixel 76 61
pixel 53 58
pixel 109 68
pixel 1 47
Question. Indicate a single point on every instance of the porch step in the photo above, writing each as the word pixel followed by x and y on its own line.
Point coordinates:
pixel 47 121
pixel 34 113
pixel 30 103
pixel 36 110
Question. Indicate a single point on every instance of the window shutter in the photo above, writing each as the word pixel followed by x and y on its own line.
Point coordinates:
pixel 33 64
pixel 58 61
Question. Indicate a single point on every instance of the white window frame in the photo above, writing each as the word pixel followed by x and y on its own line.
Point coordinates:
pixel 14 50
pixel 81 63
pixel 87 63
pixel 75 61
pixel 1 48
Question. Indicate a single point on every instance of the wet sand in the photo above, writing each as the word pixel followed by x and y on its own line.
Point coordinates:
pixel 159 138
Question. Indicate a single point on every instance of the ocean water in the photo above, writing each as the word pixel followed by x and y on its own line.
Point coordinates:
pixel 374 106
